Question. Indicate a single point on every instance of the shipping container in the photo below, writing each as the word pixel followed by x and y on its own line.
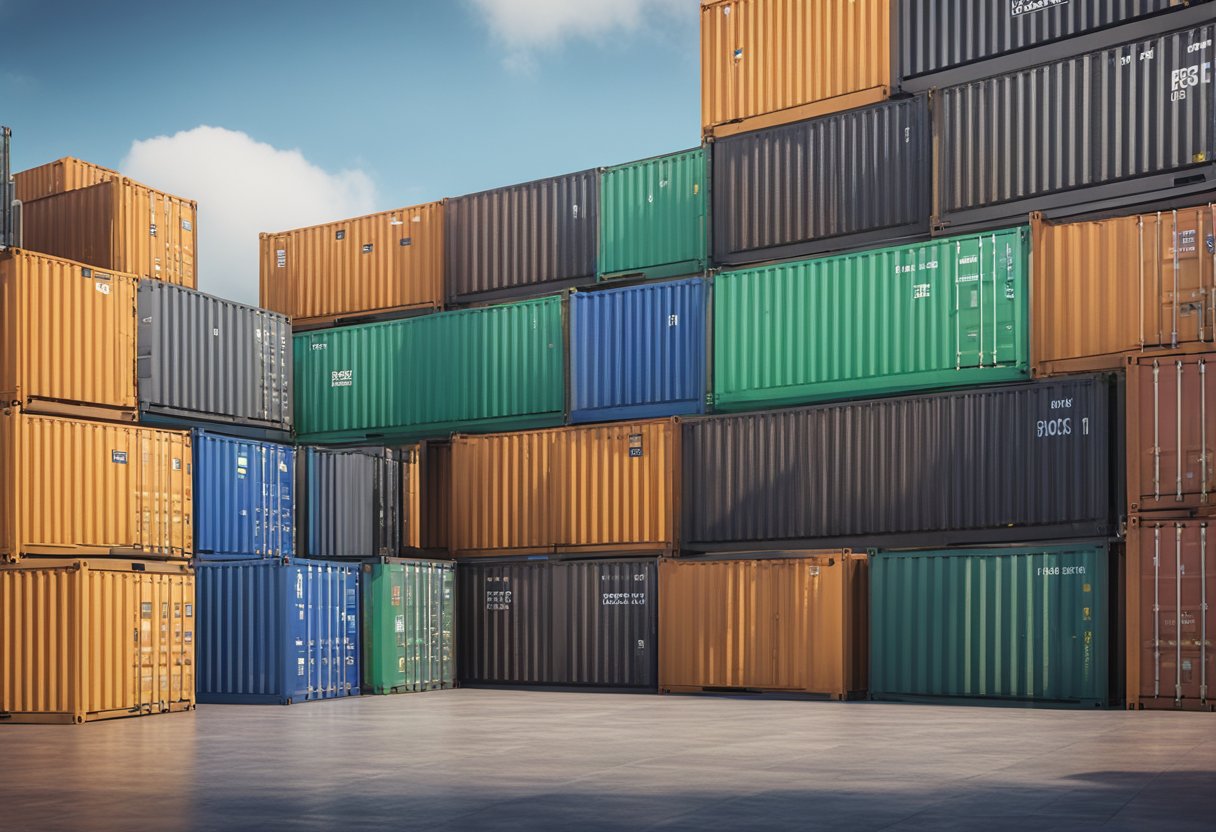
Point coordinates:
pixel 1014 463
pixel 119 225
pixel 67 338
pixel 522 240
pixel 1026 625
pixel 71 488
pixel 492 368
pixel 859 178
pixel 426 484
pixel 8 235
pixel 350 502
pixel 770 62
pixel 95 639
pixel 558 623
pixel 947 313
pixel 207 359
pixel 380 265
pixel 66 174
pixel 1171 617
pixel 653 220
pixel 793 624
pixel 408 618
pixel 596 489
pixel 244 498
pixel 638 352
pixel 277 631
pixel 1109 288
pixel 1107 129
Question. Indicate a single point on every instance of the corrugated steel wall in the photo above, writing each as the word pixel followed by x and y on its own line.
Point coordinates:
pixel 408 626
pixel 66 174
pixel 350 504
pixel 244 497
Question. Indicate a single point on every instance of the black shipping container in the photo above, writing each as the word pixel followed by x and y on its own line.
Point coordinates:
pixel 826 184
pixel 558 623
pixel 348 503
pixel 1104 130
pixel 522 240
pixel 6 191
pixel 1000 464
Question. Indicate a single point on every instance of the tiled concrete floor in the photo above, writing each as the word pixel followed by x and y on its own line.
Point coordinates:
pixel 477 759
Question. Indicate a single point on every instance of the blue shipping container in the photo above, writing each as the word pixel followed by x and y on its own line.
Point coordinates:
pixel 277 631
pixel 244 503
pixel 638 352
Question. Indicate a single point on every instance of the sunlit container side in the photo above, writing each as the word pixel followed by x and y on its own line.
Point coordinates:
pixel 67 338
pixel 66 174
pixel 769 62
pixel 558 623
pixel 996 464
pixel 1109 288
pixel 1171 580
pixel 947 313
pixel 119 225
pixel 491 368
pixel 522 240
pixel 654 217
pixel 1086 148
pixel 794 624
pixel 408 626
pixel 638 352
pixel 595 489
pixel 277 631
pixel 8 235
pixel 244 498
pixel 71 488
pixel 829 184
pixel 82 640
pixel 380 265
pixel 350 503
pixel 1029 625
pixel 426 484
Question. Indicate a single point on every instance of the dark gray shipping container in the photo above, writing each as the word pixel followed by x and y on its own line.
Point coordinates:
pixel 522 240
pixel 203 359
pixel 348 502
pixel 1015 463
pixel 826 184
pixel 7 192
pixel 558 623
pixel 1104 130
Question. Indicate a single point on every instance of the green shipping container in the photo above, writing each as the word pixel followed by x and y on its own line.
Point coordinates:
pixel 653 217
pixel 493 368
pixel 407 615
pixel 1028 625
pixel 946 313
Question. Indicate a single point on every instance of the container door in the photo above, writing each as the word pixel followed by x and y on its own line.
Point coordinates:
pixel 152 643
pixel 299 665
pixel 445 637
pixel 1178 434
pixel 279 294
pixel 349 610
pixel 184 237
pixel 1184 259
pixel 1178 585
pixel 985 301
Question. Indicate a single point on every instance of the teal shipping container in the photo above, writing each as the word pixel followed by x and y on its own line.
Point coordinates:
pixel 1024 625
pixel 653 216
pixel 946 313
pixel 408 610
pixel 493 368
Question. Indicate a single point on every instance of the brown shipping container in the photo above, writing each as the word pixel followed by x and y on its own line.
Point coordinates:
pixel 120 225
pixel 356 269
pixel 67 337
pixel 765 624
pixel 1104 289
pixel 1171 434
pixel 426 470
pixel 66 174
pixel 70 487
pixel 95 639
pixel 1171 619
pixel 770 62
pixel 596 490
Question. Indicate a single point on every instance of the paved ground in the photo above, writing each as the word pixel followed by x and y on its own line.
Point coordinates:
pixel 476 759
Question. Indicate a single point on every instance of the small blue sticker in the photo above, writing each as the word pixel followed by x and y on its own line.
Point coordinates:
pixel 340 235
pixel 367 248
pixel 1212 244
pixel 635 452
pixel 118 457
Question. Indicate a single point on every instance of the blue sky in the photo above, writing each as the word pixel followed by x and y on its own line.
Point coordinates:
pixel 387 103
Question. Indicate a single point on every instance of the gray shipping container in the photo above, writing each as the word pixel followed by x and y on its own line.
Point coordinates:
pixel 1103 130
pixel 348 503
pixel 558 623
pixel 1016 463
pixel 203 359
pixel 522 240
pixel 826 184
pixel 7 192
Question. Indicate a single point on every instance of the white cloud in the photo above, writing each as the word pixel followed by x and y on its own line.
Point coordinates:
pixel 243 187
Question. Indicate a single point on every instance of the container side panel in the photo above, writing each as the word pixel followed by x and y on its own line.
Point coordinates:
pixel 65 174
pixel 244 497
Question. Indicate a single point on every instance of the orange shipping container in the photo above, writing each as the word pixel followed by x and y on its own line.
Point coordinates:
pixel 67 337
pixel 797 624
pixel 95 639
pixel 66 174
pixel 70 487
pixel 426 470
pixel 770 62
pixel 597 489
pixel 355 269
pixel 1105 289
